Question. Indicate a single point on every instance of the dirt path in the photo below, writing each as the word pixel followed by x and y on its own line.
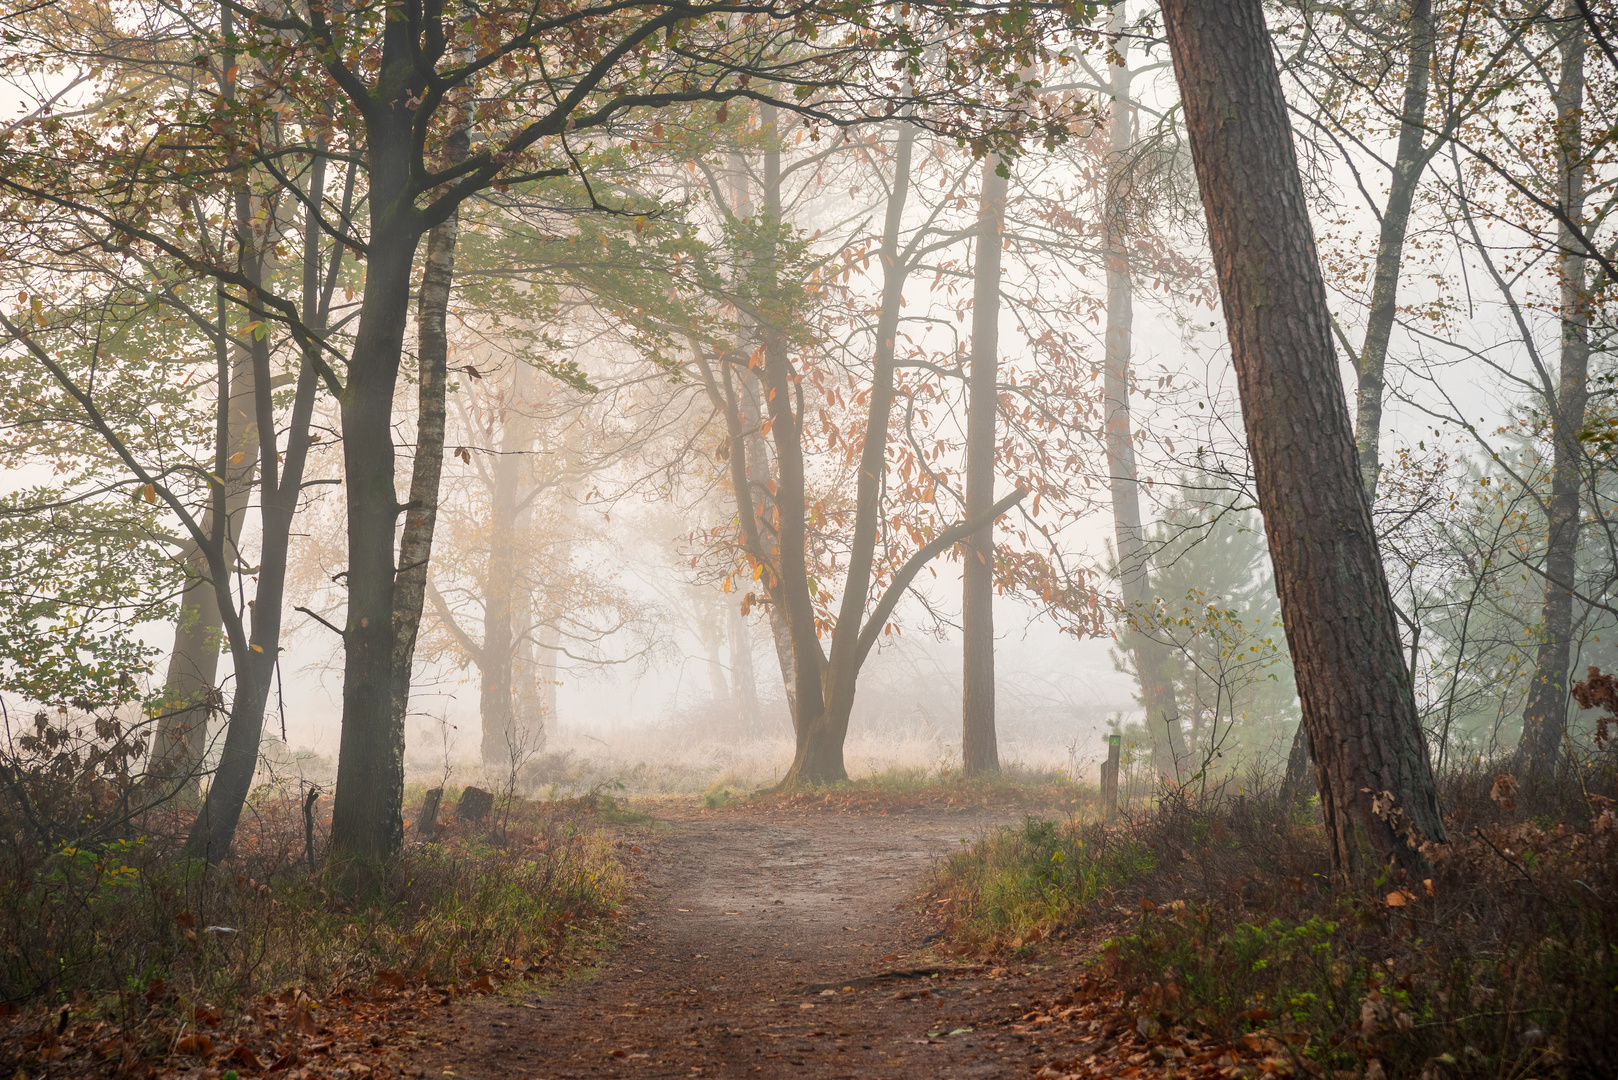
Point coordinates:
pixel 745 953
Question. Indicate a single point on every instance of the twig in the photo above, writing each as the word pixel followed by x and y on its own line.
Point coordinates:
pixel 322 622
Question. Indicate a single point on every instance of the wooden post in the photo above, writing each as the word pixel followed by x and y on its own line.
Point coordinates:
pixel 1109 780
pixel 427 823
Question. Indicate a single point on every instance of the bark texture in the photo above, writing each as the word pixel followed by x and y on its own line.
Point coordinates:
pixel 427 469
pixel 1545 712
pixel 1376 785
pixel 980 752
pixel 421 517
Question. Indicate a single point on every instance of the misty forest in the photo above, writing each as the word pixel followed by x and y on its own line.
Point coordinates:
pixel 809 538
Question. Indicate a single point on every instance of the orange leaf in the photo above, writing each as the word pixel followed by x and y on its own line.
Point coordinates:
pixel 195 1045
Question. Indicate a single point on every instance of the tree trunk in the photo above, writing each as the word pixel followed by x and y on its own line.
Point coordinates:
pixel 713 637
pixel 280 488
pixel 1409 162
pixel 758 485
pixel 421 517
pixel 821 731
pixel 1376 785
pixel 495 704
pixel 190 688
pixel 1295 783
pixel 550 641
pixel 980 752
pixel 1152 664
pixel 367 811
pixel 744 684
pixel 427 468
pixel 1545 714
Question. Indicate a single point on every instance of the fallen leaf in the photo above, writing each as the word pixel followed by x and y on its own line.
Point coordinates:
pixel 244 1057
pixel 195 1045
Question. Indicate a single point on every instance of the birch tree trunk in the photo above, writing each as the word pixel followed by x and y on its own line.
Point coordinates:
pixel 427 469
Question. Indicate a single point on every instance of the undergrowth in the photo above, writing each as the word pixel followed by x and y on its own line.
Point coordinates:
pixel 904 789
pixel 123 927
pixel 1218 916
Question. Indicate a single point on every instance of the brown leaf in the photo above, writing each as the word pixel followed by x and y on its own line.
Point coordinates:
pixel 195 1045
pixel 244 1057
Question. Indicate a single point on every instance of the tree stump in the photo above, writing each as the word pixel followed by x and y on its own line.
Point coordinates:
pixel 427 822
pixel 475 805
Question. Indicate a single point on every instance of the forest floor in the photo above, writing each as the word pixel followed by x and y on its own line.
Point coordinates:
pixel 778 940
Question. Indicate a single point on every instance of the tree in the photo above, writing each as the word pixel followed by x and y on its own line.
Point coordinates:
pixel 1376 784
pixel 979 752
pixel 1545 714
pixel 1169 753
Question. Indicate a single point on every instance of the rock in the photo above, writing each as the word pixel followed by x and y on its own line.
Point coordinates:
pixel 475 804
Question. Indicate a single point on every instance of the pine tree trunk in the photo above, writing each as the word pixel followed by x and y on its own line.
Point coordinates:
pixel 1170 759
pixel 1545 713
pixel 1410 160
pixel 980 753
pixel 1376 785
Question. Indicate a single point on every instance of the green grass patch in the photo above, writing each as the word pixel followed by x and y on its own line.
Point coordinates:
pixel 1020 883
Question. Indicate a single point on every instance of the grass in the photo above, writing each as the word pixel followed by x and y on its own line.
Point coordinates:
pixel 123 929
pixel 1219 918
pixel 917 788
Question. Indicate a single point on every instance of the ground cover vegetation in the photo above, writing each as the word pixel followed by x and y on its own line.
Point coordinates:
pixel 1212 928
pixel 798 342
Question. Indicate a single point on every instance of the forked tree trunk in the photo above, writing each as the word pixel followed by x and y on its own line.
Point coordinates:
pixel 713 638
pixel 280 489
pixel 1545 713
pixel 190 688
pixel 821 732
pixel 1376 784
pixel 980 752
pixel 1152 662
pixel 1410 160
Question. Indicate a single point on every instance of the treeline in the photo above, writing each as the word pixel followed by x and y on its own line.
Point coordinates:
pixel 853 288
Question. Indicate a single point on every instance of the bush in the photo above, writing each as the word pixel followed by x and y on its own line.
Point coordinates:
pixel 123 922
pixel 1504 963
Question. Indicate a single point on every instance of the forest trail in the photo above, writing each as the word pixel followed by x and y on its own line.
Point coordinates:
pixel 742 919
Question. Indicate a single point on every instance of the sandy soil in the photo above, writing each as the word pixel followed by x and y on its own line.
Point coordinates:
pixel 766 943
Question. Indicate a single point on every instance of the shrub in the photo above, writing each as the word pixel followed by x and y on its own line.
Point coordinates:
pixel 1504 963
pixel 110 922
